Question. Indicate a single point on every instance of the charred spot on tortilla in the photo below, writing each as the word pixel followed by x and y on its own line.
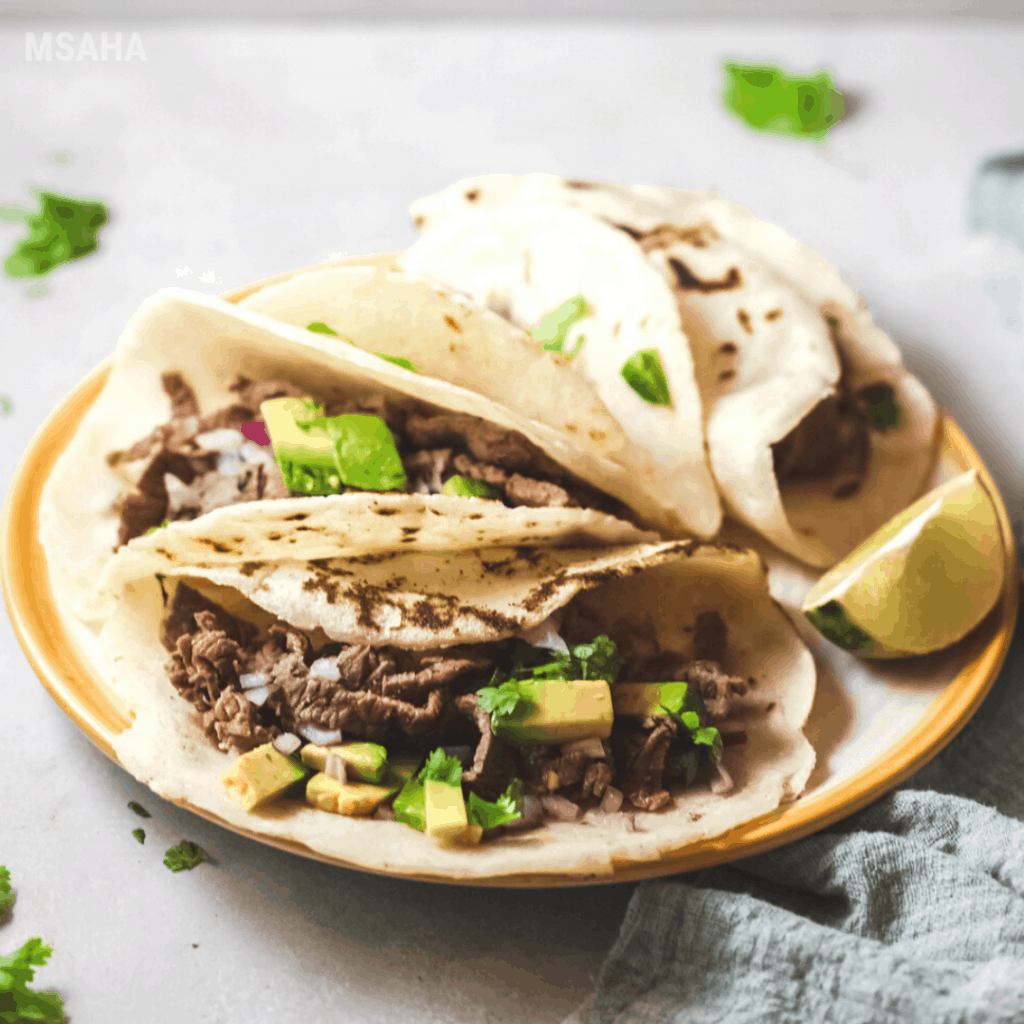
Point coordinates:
pixel 728 348
pixel 251 568
pixel 418 222
pixel 633 233
pixel 386 511
pixel 773 314
pixel 475 515
pixel 744 318
pixel 473 194
pixel 296 517
pixel 726 375
pixel 688 281
pixel 578 184
pixel 221 549
pixel 453 324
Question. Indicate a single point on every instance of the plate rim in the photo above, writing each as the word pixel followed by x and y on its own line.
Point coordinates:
pixel 29 599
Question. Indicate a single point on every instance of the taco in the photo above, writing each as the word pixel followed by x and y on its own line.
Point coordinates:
pixel 470 713
pixel 172 466
pixel 817 434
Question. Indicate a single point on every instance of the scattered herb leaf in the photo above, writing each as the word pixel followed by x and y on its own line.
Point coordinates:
pixel 553 330
pixel 153 529
pixel 508 807
pixel 442 768
pixel 318 327
pixel 467 487
pixel 599 659
pixel 139 809
pixel 644 374
pixel 769 99
pixel 6 405
pixel 63 229
pixel 500 701
pixel 683 703
pixel 397 360
pixel 6 892
pixel 185 856
pixel 140 834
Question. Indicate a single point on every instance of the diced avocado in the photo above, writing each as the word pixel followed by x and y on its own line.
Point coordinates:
pixel 366 761
pixel 639 700
pixel 260 775
pixel 306 455
pixel 467 487
pixel 365 453
pixel 354 799
pixel 445 810
pixel 410 806
pixel 556 711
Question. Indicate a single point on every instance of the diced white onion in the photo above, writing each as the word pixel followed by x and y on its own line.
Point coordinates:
pixel 325 668
pixel 258 695
pixel 322 737
pixel 250 680
pixel 287 743
pixel 545 634
pixel 221 440
pixel 335 768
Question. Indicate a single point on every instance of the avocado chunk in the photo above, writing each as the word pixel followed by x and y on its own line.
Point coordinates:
pixel 410 806
pixel 556 711
pixel 445 810
pixel 640 700
pixel 260 775
pixel 354 799
pixel 323 454
pixel 366 761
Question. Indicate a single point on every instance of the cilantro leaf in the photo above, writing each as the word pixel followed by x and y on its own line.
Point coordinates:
pixel 139 809
pixel 553 329
pixel 769 99
pixel 185 856
pixel 442 768
pixel 63 230
pixel 501 701
pixel 643 372
pixel 17 1001
pixel 140 834
pixel 508 807
pixel 683 703
pixel 6 892
pixel 397 360
pixel 319 327
pixel 599 659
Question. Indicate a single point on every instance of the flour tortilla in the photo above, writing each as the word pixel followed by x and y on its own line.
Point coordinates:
pixel 167 751
pixel 527 262
pixel 748 413
pixel 211 343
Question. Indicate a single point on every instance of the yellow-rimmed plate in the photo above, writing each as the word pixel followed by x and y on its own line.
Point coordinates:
pixel 935 696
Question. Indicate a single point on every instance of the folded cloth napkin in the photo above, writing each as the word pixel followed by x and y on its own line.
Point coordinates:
pixel 911 910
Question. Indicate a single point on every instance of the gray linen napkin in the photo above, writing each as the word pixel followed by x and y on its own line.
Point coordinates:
pixel 911 910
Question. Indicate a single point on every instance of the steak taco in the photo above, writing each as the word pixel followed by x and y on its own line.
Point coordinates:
pixel 816 432
pixel 223 437
pixel 469 713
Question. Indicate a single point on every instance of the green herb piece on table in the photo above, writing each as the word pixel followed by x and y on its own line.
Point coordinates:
pixel 140 834
pixel 6 405
pixel 553 330
pixel 139 809
pixel 769 99
pixel 185 856
pixel 318 327
pixel 398 361
pixel 6 892
pixel 63 229
pixel 644 374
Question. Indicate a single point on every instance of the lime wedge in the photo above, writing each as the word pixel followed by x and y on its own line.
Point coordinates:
pixel 921 582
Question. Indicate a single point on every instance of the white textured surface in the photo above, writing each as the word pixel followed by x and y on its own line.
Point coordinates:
pixel 239 152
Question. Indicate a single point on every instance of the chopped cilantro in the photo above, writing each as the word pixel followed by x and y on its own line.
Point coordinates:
pixel 599 659
pixel 508 807
pixel 18 1002
pixel 6 405
pixel 63 230
pixel 442 768
pixel 642 371
pixel 140 835
pixel 185 856
pixel 318 327
pixel 139 809
pixel 882 410
pixel 768 99
pixel 553 329
pixel 500 701
pixel 398 361
pixel 467 487
pixel 6 892
pixel 153 529
pixel 683 703
pixel 831 622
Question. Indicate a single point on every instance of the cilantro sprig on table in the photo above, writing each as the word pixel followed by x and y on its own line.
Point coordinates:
pixel 185 856
pixel 18 1001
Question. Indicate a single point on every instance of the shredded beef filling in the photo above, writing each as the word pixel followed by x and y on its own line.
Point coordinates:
pixel 182 471
pixel 423 699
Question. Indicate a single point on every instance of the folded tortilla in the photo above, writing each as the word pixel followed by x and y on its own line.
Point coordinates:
pixel 773 329
pixel 654 590
pixel 211 343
